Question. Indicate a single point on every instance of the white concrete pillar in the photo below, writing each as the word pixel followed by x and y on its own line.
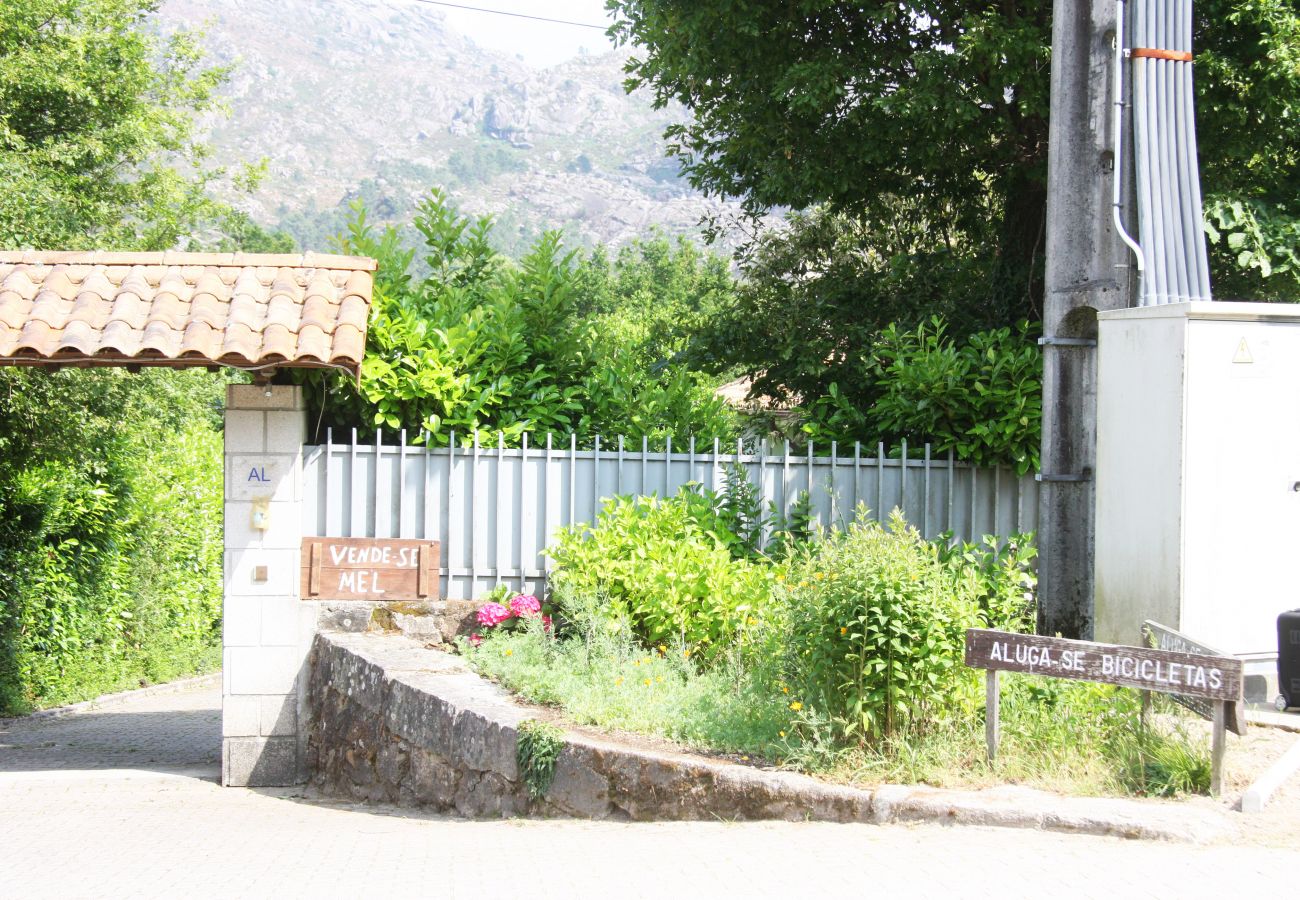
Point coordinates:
pixel 267 630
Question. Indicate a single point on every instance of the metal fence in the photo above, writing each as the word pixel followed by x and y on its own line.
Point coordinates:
pixel 495 509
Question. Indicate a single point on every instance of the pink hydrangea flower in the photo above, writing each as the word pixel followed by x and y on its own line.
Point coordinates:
pixel 525 606
pixel 475 639
pixel 493 614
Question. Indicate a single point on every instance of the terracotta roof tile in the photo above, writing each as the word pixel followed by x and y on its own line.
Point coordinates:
pixel 247 310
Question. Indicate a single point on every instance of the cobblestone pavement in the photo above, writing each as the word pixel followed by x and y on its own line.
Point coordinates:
pixel 169 731
pixel 81 830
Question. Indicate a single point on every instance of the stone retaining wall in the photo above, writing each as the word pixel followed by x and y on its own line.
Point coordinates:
pixel 393 721
pixel 398 723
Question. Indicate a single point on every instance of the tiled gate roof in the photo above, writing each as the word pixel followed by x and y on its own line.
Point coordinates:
pixel 183 309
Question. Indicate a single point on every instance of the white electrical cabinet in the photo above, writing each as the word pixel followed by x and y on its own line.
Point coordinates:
pixel 1198 472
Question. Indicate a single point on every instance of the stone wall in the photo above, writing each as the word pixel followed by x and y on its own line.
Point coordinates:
pixel 395 722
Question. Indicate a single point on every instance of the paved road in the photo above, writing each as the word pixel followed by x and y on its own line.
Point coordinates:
pixel 94 805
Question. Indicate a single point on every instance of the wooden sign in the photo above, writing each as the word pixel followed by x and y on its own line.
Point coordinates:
pixel 1164 638
pixel 1212 677
pixel 1169 672
pixel 369 569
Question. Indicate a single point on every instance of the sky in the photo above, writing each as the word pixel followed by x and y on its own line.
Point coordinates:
pixel 539 43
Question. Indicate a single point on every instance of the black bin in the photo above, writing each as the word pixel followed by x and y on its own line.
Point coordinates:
pixel 1288 657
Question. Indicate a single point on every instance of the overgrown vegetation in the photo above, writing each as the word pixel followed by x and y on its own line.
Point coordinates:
pixel 537 748
pixel 489 348
pixel 110 531
pixel 841 655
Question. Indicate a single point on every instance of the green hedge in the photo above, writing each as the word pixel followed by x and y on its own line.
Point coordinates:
pixel 110 532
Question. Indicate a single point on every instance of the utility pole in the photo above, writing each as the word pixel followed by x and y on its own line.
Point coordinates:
pixel 1087 272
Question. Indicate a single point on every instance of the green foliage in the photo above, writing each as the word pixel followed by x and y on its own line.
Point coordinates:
pixel 606 679
pixel 110 531
pixel 662 570
pixel 1262 242
pixel 931 118
pixel 537 748
pixel 488 348
pixel 1003 571
pixel 981 399
pixel 97 131
pixel 877 625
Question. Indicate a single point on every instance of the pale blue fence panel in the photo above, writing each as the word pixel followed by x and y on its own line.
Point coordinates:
pixel 496 509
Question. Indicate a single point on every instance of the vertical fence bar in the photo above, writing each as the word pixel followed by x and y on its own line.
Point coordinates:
pixel 474 507
pixel 786 500
pixel 857 478
pixel 330 481
pixel 952 487
pixel 764 526
pixel 1020 504
pixel 401 483
pixel 645 457
pixel 974 483
pixel 595 480
pixel 374 483
pixel 356 498
pixel 713 474
pixel 668 464
pixel 503 522
pixel 997 497
pixel 925 494
pixel 430 508
pixel 834 465
pixel 902 481
pixel 807 480
pixel 546 497
pixel 573 477
pixel 527 519
pixel 880 481
pixel 451 557
pixel 691 470
pixel 619 479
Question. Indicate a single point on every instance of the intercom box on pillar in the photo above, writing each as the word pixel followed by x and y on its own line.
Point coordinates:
pixel 1198 472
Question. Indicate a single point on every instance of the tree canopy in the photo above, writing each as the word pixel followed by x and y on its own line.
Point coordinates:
pixel 927 119
pixel 97 126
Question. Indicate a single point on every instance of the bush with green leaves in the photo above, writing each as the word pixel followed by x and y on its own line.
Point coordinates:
pixel 662 570
pixel 1004 572
pixel 877 623
pixel 491 348
pixel 980 398
pixel 110 531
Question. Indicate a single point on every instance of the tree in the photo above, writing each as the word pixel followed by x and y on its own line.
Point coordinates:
pixel 930 116
pixel 97 126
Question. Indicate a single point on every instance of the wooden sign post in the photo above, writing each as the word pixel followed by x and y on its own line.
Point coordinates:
pixel 1214 678
pixel 1164 638
pixel 369 569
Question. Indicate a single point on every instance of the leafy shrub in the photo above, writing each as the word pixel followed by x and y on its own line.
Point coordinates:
pixel 982 399
pixel 1004 574
pixel 110 532
pixel 537 748
pixel 491 348
pixel 664 571
pixel 877 626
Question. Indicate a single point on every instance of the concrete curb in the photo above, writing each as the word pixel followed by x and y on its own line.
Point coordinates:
pixel 171 687
pixel 388 692
pixel 1258 794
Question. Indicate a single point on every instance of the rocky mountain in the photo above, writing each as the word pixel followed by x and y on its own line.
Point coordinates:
pixel 381 99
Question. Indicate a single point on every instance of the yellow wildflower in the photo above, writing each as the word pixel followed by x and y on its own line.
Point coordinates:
pixel 662 649
pixel 803 584
pixel 784 689
pixel 751 621
pixel 618 681
pixel 744 759
pixel 686 654
pixel 819 575
pixel 843 630
pixel 646 682
pixel 796 706
pixel 510 653
pixel 781 733
pixel 659 678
